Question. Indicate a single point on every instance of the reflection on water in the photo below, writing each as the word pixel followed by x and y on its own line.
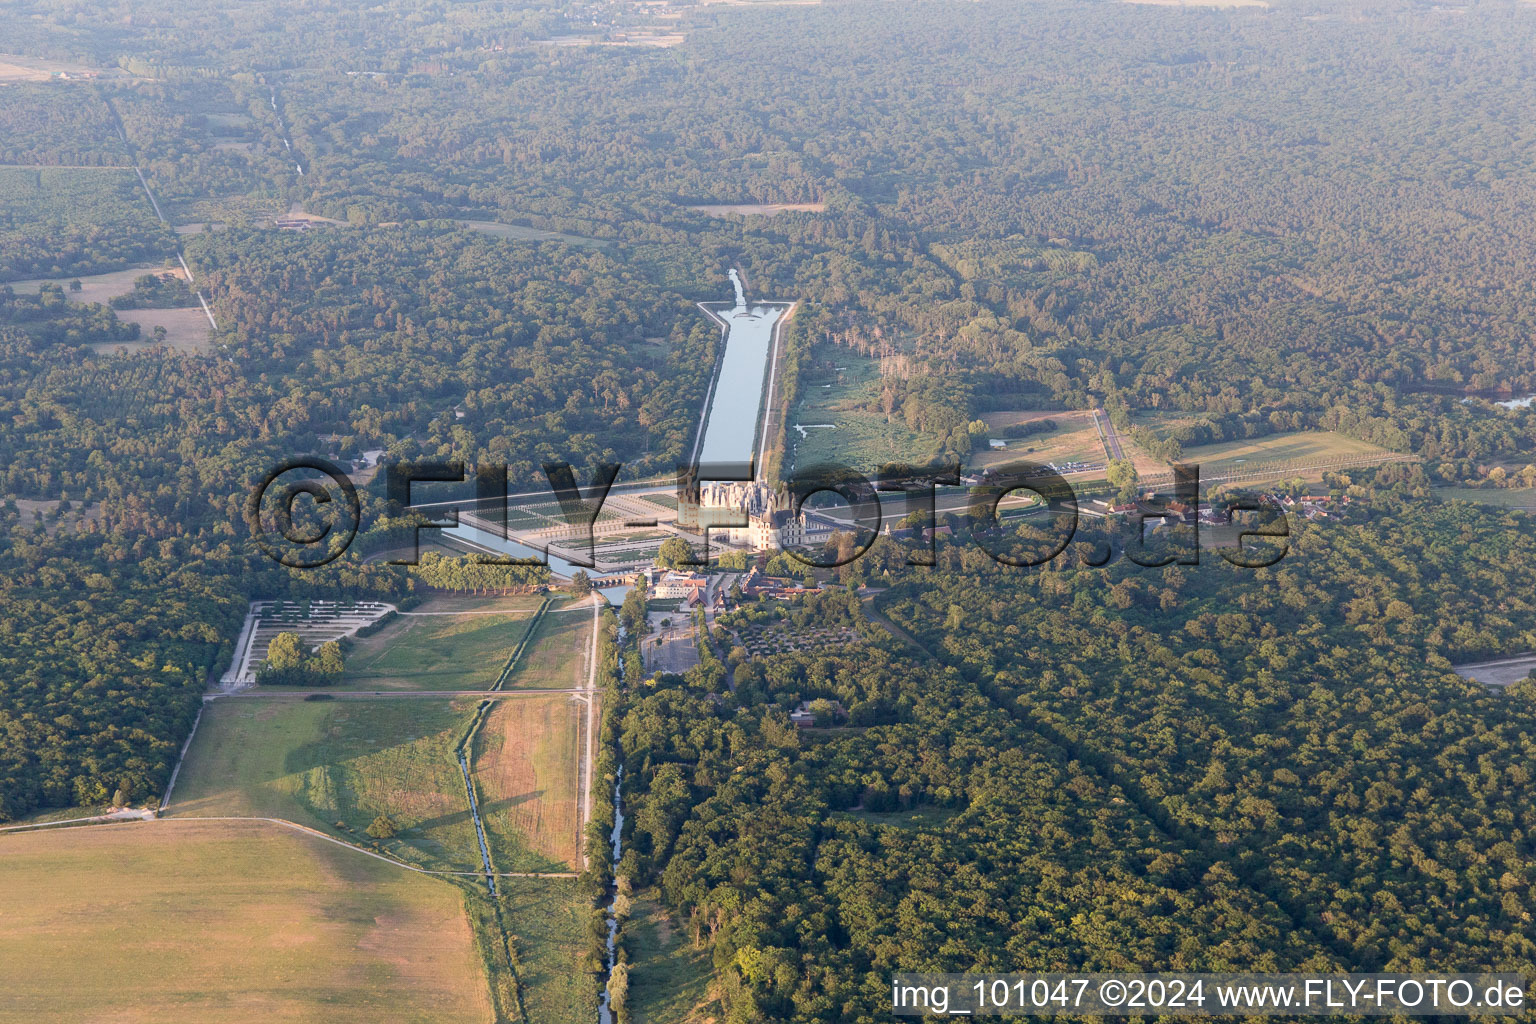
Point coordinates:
pixel 486 541
pixel 731 429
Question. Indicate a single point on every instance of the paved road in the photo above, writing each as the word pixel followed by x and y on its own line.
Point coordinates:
pixel 1499 672
pixel 1107 434
pixel 124 815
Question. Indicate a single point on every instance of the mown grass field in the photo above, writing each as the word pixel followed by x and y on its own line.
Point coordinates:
pixel 321 763
pixel 226 922
pixel 436 652
pixel 1300 447
pixel 556 657
pixel 548 919
pixel 527 762
pixel 669 978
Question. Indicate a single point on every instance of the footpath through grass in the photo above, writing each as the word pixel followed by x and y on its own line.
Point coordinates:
pixel 335 766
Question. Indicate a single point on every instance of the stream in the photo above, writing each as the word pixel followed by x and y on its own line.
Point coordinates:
pixel 616 840
pixel 474 812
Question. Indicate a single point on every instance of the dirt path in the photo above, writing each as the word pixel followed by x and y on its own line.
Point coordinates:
pixel 95 819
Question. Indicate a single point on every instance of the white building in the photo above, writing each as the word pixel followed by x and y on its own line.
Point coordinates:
pixel 751 515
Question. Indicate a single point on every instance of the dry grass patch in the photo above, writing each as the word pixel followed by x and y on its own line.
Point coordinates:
pixel 186 330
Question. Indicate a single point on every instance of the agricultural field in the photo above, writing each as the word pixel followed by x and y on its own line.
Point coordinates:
pixel 548 920
pixel 527 764
pixel 439 651
pixel 556 656
pixel 60 223
pixel 669 977
pixel 842 388
pixel 335 766
pixel 227 922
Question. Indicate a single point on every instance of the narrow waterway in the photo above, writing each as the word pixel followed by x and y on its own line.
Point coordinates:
pixel 604 1014
pixel 616 841
pixel 474 812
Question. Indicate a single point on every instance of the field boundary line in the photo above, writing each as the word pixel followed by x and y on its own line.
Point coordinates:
pixel 170 787
pixel 522 645
pixel 295 826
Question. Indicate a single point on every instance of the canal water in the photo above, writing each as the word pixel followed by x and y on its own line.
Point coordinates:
pixel 487 541
pixel 730 432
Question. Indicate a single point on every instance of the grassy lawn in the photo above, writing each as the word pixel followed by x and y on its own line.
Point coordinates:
pixel 324 762
pixel 843 388
pixel 548 919
pixel 226 922
pixel 436 652
pixel 669 978
pixel 556 657
pixel 526 760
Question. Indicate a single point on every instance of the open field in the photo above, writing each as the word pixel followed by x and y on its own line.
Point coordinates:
pixel 104 287
pixel 520 233
pixel 321 763
pixel 17 68
pixel 459 604
pixel 1499 497
pixel 226 922
pixel 186 330
pixel 548 918
pixel 556 657
pixel 842 388
pixel 527 765
pixel 669 978
pixel 1302 446
pixel 758 209
pixel 1073 440
pixel 436 652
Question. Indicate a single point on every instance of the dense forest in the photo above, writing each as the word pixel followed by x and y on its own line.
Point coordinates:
pixel 1190 768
